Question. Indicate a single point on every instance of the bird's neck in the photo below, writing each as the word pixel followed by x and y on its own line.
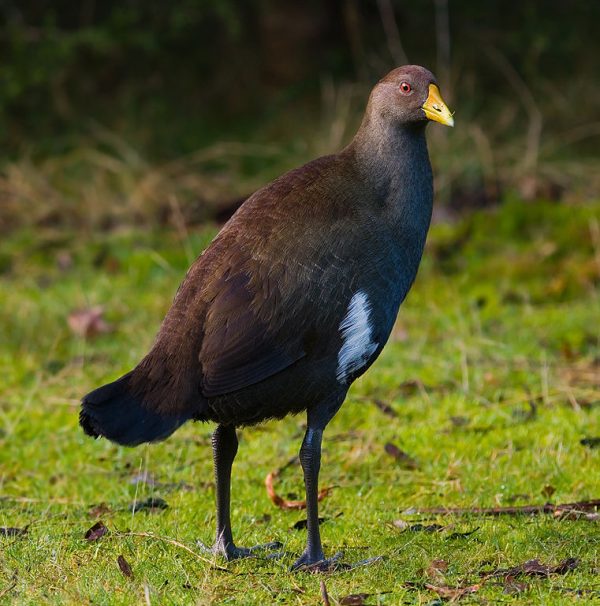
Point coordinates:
pixel 393 160
pixel 393 164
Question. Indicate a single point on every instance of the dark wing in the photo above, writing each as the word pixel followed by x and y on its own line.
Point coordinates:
pixel 279 290
pixel 244 342
pixel 268 291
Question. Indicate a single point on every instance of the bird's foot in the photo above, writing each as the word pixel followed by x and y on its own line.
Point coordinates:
pixel 231 552
pixel 318 563
pixel 334 564
pixel 274 547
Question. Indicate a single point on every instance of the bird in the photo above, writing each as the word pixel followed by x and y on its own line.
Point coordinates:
pixel 292 301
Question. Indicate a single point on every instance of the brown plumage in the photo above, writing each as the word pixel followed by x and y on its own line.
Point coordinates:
pixel 294 298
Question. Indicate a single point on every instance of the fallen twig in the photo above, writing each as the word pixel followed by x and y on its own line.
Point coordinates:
pixel 8 588
pixel 580 506
pixel 324 595
pixel 285 503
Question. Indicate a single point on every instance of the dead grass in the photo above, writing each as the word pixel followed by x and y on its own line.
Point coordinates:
pixel 533 146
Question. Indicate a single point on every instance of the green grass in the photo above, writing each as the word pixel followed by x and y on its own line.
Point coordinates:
pixel 505 312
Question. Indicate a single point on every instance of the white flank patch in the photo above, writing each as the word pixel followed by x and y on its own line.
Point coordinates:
pixel 356 333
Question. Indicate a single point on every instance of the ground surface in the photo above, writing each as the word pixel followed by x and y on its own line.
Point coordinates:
pixel 493 378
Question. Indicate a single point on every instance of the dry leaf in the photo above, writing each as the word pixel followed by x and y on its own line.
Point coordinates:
pixel 462 535
pixel 534 568
pixel 453 593
pixel 511 585
pixel 285 503
pixel 354 599
pixel 151 504
pixel 99 510
pixel 425 527
pixel 97 531
pixel 88 322
pixel 385 408
pixel 436 569
pixel 8 531
pixel 411 387
pixel 403 458
pixel 125 567
pixel 302 524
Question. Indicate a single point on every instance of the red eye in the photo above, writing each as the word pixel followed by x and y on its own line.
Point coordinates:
pixel 405 87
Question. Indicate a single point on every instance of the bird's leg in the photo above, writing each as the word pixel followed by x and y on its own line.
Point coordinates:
pixel 225 446
pixel 310 459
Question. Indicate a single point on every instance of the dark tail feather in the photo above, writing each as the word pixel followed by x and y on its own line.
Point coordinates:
pixel 116 413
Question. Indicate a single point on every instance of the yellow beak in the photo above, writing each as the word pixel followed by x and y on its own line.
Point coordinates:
pixel 435 108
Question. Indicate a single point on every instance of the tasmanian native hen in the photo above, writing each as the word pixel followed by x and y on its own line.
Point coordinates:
pixel 292 301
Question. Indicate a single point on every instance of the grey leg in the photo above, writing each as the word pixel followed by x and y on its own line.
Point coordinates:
pixel 310 459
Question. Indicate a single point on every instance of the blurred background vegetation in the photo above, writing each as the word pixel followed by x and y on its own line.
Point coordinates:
pixel 129 112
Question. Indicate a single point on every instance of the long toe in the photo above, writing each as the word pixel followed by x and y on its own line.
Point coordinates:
pixel 232 552
pixel 267 546
pixel 229 551
pixel 236 553
pixel 314 564
pixel 274 547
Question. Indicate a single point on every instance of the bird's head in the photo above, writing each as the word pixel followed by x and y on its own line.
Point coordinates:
pixel 409 95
